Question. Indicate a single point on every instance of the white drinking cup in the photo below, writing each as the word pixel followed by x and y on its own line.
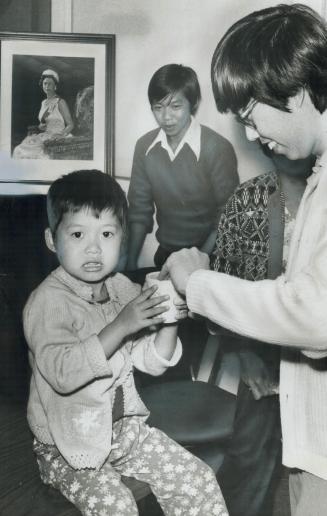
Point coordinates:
pixel 165 287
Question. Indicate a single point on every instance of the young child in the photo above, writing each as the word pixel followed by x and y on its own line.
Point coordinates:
pixel 184 170
pixel 87 328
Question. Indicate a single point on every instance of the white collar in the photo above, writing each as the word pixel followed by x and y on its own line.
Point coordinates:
pixel 192 137
pixel 321 162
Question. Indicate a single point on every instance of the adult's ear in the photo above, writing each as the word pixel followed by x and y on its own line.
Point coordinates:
pixel 297 100
pixel 49 240
pixel 195 108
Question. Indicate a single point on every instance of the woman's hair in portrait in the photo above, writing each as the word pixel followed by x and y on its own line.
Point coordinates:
pixel 52 74
pixel 172 78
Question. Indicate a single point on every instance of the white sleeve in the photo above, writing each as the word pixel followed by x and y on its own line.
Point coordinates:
pixel 288 313
pixel 146 358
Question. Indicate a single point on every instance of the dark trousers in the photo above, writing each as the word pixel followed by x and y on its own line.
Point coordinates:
pixel 161 256
pixel 252 461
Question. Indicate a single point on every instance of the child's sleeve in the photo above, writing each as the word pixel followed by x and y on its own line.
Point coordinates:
pixel 142 349
pixel 64 360
pixel 146 358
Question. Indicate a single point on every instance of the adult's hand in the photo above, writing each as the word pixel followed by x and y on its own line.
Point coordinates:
pixel 180 265
pixel 256 375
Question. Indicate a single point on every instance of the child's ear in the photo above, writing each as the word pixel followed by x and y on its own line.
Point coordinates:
pixel 49 240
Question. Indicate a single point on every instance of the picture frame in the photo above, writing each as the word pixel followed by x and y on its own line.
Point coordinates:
pixel 34 146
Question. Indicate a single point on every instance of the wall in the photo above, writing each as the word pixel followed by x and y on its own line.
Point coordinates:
pixel 21 16
pixel 150 33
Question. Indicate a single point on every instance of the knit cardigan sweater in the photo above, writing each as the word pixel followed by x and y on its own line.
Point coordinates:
pixel 73 384
pixel 188 194
pixel 290 311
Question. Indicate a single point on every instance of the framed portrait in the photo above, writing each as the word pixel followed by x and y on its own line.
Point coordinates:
pixel 56 105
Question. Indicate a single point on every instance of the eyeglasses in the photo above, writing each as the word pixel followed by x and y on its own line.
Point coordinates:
pixel 243 116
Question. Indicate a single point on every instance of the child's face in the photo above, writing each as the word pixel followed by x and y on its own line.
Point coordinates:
pixel 173 115
pixel 87 247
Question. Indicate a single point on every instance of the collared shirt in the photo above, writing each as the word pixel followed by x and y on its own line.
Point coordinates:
pixel 187 193
pixel 192 137
pixel 82 289
pixel 321 162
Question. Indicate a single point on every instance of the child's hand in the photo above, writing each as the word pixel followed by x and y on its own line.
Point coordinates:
pixel 181 308
pixel 142 312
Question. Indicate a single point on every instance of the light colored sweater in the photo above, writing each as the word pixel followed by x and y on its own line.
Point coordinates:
pixel 73 384
pixel 290 311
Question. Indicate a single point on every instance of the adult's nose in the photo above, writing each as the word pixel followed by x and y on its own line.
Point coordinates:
pixel 251 133
pixel 166 113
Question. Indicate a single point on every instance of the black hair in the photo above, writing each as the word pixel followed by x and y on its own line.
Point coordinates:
pixel 90 189
pixel 172 78
pixel 269 56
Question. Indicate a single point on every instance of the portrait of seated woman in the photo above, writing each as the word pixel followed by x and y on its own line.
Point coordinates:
pixel 55 121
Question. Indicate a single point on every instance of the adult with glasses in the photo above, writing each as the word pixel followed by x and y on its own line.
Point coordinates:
pixel 270 69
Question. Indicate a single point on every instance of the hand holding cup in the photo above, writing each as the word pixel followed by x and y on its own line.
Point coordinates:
pixel 177 306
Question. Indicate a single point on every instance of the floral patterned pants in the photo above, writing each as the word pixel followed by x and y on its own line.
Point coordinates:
pixel 182 483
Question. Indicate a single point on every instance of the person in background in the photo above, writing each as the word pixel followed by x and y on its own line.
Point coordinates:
pixel 277 87
pixel 55 120
pixel 252 243
pixel 87 329
pixel 183 170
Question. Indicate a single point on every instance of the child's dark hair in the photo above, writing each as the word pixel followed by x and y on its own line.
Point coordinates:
pixel 90 189
pixel 172 78
pixel 269 56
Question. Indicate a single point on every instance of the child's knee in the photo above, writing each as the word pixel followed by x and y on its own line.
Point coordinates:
pixel 206 471
pixel 199 469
